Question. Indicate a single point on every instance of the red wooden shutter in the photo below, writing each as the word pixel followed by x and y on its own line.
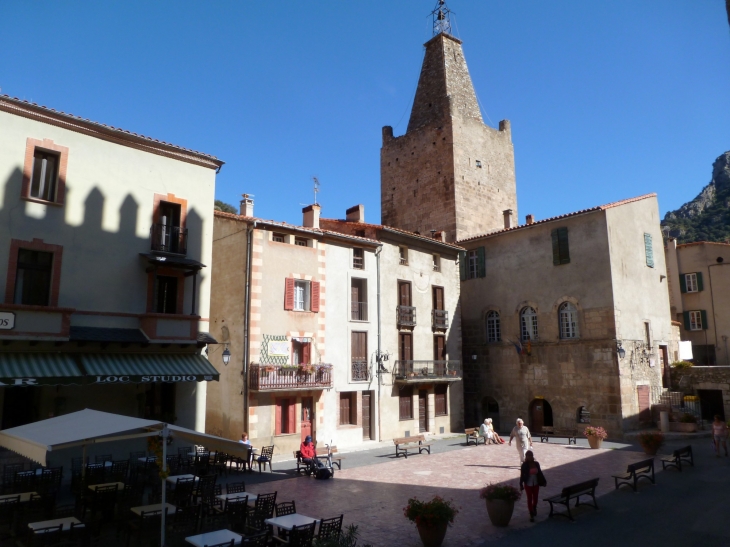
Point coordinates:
pixel 315 296
pixel 278 416
pixel 406 404
pixel 289 293
pixel 292 416
pixel 307 353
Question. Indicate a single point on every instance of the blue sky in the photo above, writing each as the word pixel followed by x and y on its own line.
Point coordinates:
pixel 607 99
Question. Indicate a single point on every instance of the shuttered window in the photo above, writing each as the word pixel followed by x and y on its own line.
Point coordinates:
pixel 472 264
pixel 405 352
pixel 285 417
pixel 405 404
pixel 439 348
pixel 649 250
pixel 691 282
pixel 301 295
pixel 561 250
pixel 347 408
pixel 695 320
pixel 440 400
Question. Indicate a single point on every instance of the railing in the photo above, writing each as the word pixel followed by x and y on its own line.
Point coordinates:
pixel 360 370
pixel 419 370
pixel 169 239
pixel 275 377
pixel 406 316
pixel 359 311
pixel 676 401
pixel 440 319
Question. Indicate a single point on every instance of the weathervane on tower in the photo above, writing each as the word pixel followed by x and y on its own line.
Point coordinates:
pixel 441 15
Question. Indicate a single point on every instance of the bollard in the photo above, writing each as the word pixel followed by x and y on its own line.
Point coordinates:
pixel 664 421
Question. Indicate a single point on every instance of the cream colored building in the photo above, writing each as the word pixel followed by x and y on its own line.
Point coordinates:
pixel 106 241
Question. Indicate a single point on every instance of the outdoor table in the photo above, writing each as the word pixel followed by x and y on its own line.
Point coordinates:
pixel 287 522
pixel 201 454
pixel 214 538
pixel 99 465
pixel 30 473
pixel 154 507
pixel 173 478
pixel 66 521
pixel 147 459
pixel 226 497
pixel 24 497
pixel 120 485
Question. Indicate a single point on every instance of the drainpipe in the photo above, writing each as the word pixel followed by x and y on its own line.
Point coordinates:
pixel 246 318
pixel 714 318
pixel 379 355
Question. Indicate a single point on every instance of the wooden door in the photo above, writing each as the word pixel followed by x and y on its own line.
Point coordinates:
pixel 644 403
pixel 422 410
pixel 366 434
pixel 438 298
pixel 537 416
pixel 406 345
pixel 439 348
pixel 307 416
pixel 404 293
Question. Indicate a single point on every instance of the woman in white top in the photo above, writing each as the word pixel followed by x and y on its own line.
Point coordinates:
pixel 486 431
pixel 522 437
pixel 495 436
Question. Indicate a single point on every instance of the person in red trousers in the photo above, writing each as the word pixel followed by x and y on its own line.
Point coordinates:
pixel 531 478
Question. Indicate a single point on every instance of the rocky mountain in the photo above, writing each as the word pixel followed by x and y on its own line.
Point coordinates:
pixel 706 217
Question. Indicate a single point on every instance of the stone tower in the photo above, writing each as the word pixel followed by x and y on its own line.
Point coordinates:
pixel 450 172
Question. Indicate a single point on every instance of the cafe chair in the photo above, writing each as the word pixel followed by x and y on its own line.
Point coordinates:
pixel 145 527
pixel 9 508
pixel 226 544
pixel 256 540
pixel 330 528
pixel 237 511
pixel 235 487
pixel 43 537
pixel 263 509
pixel 302 536
pixel 285 508
pixel 267 454
pixel 103 458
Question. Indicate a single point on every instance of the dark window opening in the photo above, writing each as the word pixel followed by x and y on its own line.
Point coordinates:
pixel 166 294
pixel 33 277
pixel 44 177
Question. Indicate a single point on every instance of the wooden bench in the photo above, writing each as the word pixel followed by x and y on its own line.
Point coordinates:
pixel 677 457
pixel 551 433
pixel 635 471
pixel 301 466
pixel 472 436
pixel 332 456
pixel 405 444
pixel 587 488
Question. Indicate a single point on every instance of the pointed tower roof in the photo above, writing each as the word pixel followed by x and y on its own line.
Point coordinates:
pixel 444 87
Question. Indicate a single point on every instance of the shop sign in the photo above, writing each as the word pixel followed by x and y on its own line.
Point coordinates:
pixel 7 320
pixel 149 379
pixel 19 382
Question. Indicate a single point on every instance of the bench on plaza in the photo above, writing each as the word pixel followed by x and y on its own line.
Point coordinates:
pixel 403 445
pixel 549 432
pixel 472 436
pixel 586 488
pixel 679 456
pixel 635 471
pixel 332 456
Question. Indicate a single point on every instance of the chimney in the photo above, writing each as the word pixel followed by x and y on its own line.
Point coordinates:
pixel 529 219
pixel 246 208
pixel 507 218
pixel 438 235
pixel 356 214
pixel 311 216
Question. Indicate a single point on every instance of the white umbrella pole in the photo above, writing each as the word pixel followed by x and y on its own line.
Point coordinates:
pixel 83 464
pixel 163 464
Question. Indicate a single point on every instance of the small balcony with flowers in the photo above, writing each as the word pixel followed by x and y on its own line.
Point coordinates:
pixel 286 365
pixel 415 372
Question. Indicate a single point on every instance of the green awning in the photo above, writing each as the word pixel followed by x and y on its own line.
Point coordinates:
pixel 39 369
pixel 141 368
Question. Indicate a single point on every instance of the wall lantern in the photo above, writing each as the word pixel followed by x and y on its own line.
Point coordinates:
pixel 621 350
pixel 226 356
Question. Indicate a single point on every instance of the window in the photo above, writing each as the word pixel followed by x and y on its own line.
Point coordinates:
pixel 691 282
pixel 528 324
pixel 279 238
pixel 568 317
pixel 404 293
pixel 347 408
pixel 441 408
pixel 301 241
pixel 439 351
pixel 479 164
pixel 33 277
pixel 358 299
pixel 403 253
pixel 405 346
pixel 647 333
pixel 436 263
pixel 301 351
pixel 439 315
pixel 301 295
pixel 44 176
pixel 695 320
pixel 285 417
pixel 358 259
pixel 405 403
pixel 561 252
pixel 166 294
pixel 494 330
pixel 649 250
pixel 406 313
pixel 359 353
pixel 472 264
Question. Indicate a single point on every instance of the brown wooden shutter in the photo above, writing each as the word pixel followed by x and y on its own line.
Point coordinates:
pixel 438 298
pixel 292 416
pixel 439 348
pixel 359 346
pixel 307 353
pixel 404 290
pixel 315 296
pixel 278 416
pixel 405 404
pixel 405 347
pixel 289 293
pixel 344 408
pixel 440 400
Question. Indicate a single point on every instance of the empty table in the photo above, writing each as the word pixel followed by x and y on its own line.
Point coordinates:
pixel 214 538
pixel 120 485
pixel 154 507
pixel 287 522
pixel 24 497
pixel 66 522
pixel 173 479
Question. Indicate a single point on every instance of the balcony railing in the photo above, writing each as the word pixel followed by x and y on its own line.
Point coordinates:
pixel 440 319
pixel 427 370
pixel 360 372
pixel 276 377
pixel 359 311
pixel 169 239
pixel 406 316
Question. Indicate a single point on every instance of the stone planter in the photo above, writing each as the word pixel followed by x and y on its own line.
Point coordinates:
pixel 432 536
pixel 594 442
pixel 681 427
pixel 500 511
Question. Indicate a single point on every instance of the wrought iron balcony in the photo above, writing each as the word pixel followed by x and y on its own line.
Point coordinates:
pixel 406 316
pixel 360 371
pixel 427 371
pixel 359 311
pixel 290 377
pixel 169 239
pixel 440 319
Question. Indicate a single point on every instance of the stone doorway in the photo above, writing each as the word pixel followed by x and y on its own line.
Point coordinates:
pixel 541 415
pixel 490 409
pixel 711 404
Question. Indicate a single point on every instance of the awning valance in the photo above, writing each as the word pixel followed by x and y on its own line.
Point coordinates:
pixel 105 368
pixel 39 369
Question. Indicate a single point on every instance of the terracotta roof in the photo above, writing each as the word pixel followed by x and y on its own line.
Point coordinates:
pixel 559 217
pixel 702 243
pixel 394 230
pixel 72 122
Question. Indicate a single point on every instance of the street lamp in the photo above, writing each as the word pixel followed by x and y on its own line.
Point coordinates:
pixel 621 351
pixel 226 356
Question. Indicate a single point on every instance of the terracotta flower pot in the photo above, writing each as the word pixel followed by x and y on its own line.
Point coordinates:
pixel 650 450
pixel 594 442
pixel 432 535
pixel 500 511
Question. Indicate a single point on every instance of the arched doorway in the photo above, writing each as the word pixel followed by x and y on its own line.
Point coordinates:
pixel 541 415
pixel 490 409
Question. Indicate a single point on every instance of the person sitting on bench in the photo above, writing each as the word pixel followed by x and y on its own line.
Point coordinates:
pixel 486 432
pixel 307 451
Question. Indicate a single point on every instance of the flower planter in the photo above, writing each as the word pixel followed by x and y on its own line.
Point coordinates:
pixel 682 427
pixel 432 535
pixel 650 450
pixel 594 442
pixel 500 511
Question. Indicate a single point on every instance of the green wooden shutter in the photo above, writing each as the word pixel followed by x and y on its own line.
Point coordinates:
pixel 462 265
pixel 703 315
pixel 481 264
pixel 649 249
pixel 563 244
pixel 556 248
pixel 686 320
pixel 700 286
pixel 682 283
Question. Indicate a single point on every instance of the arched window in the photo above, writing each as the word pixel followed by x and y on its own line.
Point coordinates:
pixel 568 316
pixel 528 324
pixel 494 331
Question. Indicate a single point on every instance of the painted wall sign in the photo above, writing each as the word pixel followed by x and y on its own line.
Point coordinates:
pixel 124 379
pixel 278 348
pixel 7 320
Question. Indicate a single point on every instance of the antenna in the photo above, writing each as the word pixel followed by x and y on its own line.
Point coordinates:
pixel 316 188
pixel 441 16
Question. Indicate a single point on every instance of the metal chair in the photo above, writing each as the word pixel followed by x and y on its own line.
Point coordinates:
pixel 330 528
pixel 9 471
pixel 118 471
pixel 263 509
pixel 302 536
pixel 184 451
pixel 285 508
pixel 45 536
pixel 237 510
pixel 147 526
pixel 235 487
pixel 103 458
pixel 205 490
pixel 267 454
pixel 256 540
pixel 226 544
pixel 9 508
pixel 182 495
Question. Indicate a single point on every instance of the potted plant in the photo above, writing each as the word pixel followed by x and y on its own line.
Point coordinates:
pixel 500 500
pixel 651 441
pixel 269 368
pixel 431 518
pixel 595 435
pixel 686 424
